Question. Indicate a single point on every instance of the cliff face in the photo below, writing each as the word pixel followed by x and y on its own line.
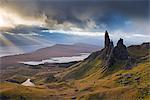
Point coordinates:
pixel 111 55
pixel 105 52
pixel 118 53
pixel 108 60
pixel 107 39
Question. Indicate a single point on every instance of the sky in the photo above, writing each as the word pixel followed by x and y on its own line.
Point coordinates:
pixel 85 20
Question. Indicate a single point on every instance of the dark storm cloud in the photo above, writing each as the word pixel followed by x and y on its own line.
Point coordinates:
pixel 80 13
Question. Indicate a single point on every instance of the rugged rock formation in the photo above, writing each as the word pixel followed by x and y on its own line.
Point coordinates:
pixel 118 53
pixel 107 47
pixel 107 39
pixel 112 55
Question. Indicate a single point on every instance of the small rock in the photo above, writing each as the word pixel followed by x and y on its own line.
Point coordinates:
pixel 128 75
pixel 138 78
pixel 76 90
pixel 118 74
pixel 73 98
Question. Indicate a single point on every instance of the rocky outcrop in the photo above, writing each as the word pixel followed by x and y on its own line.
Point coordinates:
pixel 114 57
pixel 146 45
pixel 107 47
pixel 107 39
pixel 111 55
pixel 118 53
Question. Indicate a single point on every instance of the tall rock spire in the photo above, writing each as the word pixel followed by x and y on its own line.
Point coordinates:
pixel 107 47
pixel 107 39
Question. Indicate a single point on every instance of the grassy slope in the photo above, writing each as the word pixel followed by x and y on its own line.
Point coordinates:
pixel 54 91
pixel 84 69
pixel 115 86
pixel 91 87
pixel 137 51
pixel 118 85
pixel 87 83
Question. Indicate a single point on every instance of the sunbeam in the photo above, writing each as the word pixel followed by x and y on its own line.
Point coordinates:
pixel 7 42
pixel 37 40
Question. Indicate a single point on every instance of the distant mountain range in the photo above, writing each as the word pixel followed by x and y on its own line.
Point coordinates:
pixel 58 50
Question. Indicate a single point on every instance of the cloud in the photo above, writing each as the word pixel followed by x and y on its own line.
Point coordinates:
pixel 9 18
pixel 23 34
pixel 30 34
pixel 78 33
pixel 85 16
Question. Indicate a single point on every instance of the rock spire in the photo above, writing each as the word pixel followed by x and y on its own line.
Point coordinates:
pixel 110 54
pixel 120 51
pixel 107 39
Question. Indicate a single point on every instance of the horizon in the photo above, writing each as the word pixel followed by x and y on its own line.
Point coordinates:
pixel 46 22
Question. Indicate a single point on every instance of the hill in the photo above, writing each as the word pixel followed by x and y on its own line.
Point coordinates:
pixel 107 61
pixel 112 73
pixel 125 85
pixel 126 74
pixel 58 50
pixel 138 51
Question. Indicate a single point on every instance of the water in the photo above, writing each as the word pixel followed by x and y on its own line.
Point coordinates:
pixel 59 59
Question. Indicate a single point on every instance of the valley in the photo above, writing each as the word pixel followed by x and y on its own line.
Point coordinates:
pixel 74 50
pixel 104 74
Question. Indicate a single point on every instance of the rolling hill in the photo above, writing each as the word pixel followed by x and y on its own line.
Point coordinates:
pixel 58 50
pixel 112 73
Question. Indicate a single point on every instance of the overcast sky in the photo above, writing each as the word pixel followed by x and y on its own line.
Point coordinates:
pixel 122 18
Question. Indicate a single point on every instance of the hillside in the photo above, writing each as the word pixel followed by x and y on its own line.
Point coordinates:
pixel 139 50
pixel 98 61
pixel 130 74
pixel 112 73
pixel 124 84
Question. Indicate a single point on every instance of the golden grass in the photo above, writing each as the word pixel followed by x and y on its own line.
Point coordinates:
pixel 89 86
